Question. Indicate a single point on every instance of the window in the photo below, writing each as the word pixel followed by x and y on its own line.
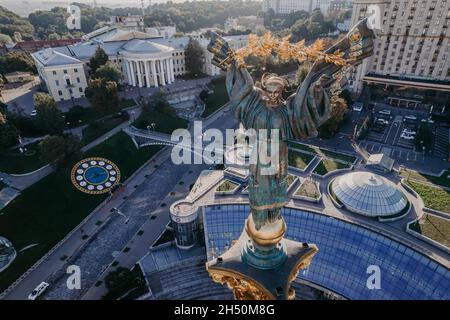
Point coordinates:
pixel 78 80
pixel 65 71
pixel 54 73
pixel 60 92
pixel 80 89
pixel 57 83
pixel 75 70
pixel 68 82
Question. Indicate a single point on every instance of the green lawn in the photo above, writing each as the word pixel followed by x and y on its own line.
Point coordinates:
pixel 90 114
pixel 434 197
pixel 99 128
pixel 164 123
pixel 433 227
pixel 298 159
pixel 226 186
pixel 217 99
pixel 415 175
pixel 45 212
pixel 18 163
pixel 328 165
pixel 308 189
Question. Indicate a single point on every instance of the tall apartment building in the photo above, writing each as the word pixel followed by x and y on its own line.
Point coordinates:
pixel 412 48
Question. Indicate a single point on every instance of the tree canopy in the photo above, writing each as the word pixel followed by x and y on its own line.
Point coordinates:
pixel 109 71
pixel 17 61
pixel 49 117
pixel 60 152
pixel 8 133
pixel 99 59
pixel 194 57
pixel 103 95
pixel 11 22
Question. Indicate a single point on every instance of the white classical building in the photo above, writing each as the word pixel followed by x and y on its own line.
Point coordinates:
pixel 144 62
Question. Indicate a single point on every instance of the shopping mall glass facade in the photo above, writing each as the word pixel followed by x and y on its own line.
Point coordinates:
pixel 345 252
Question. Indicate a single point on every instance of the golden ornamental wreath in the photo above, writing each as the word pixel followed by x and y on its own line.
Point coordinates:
pixel 268 45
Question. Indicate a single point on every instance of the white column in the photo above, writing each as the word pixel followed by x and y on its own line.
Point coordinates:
pixel 172 73
pixel 147 73
pixel 139 68
pixel 127 67
pixel 133 74
pixel 155 78
pixel 166 69
pixel 161 72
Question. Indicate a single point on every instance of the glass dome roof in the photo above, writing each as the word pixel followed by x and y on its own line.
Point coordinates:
pixel 369 194
pixel 7 253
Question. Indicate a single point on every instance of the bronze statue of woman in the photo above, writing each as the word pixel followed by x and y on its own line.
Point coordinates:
pixel 298 117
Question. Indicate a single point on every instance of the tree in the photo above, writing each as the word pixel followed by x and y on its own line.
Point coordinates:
pixel 11 22
pixel 110 72
pixel 8 133
pixel 60 152
pixel 4 38
pixel 49 117
pixel 158 102
pixel 99 59
pixel 194 57
pixel 424 138
pixel 17 61
pixel 103 95
pixel 75 114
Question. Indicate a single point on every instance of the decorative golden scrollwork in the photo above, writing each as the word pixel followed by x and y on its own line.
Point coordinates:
pixel 242 289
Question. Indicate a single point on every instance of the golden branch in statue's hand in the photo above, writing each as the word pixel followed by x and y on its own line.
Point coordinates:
pixel 268 45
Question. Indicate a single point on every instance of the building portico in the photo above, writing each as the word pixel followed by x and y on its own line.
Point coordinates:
pixel 148 64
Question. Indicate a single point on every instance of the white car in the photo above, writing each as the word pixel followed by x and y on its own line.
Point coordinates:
pixel 408 131
pixel 382 121
pixel 386 112
pixel 407 136
pixel 410 117
pixel 429 120
pixel 33 113
pixel 38 291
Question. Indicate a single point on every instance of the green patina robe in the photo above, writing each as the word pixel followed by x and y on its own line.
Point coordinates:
pixel 298 117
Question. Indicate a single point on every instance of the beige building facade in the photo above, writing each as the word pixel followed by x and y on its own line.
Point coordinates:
pixel 412 48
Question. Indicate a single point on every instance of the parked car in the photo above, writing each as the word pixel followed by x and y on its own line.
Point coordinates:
pixel 429 120
pixel 33 113
pixel 382 121
pixel 407 136
pixel 410 117
pixel 408 131
pixel 386 112
pixel 38 291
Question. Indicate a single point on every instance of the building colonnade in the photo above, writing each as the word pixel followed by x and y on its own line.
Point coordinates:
pixel 149 72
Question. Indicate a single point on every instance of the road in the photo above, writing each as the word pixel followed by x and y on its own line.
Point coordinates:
pixel 107 239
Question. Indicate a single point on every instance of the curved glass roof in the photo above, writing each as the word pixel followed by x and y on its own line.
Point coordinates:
pixel 369 194
pixel 7 253
pixel 346 250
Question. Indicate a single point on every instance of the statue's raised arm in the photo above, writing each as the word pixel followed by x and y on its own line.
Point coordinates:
pixel 310 106
pixel 239 83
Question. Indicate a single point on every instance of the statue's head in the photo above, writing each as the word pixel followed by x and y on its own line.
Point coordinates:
pixel 273 87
